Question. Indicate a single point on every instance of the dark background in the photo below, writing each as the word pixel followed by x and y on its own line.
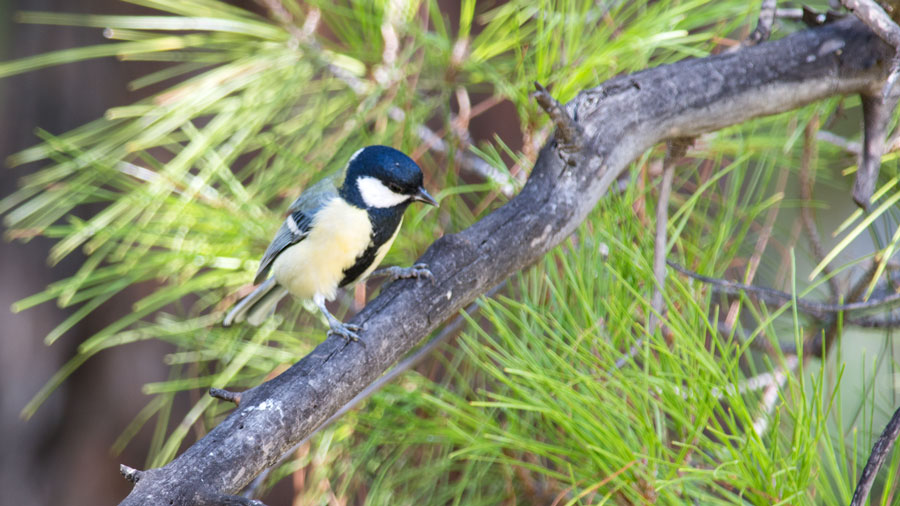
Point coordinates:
pixel 62 454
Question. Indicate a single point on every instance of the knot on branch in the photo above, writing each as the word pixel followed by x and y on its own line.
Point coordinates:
pixel 569 135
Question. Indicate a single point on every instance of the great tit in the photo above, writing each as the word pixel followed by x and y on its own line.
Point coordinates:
pixel 336 233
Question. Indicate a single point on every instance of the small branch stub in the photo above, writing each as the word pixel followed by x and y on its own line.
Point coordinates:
pixel 764 25
pixel 131 474
pixel 568 132
pixel 226 395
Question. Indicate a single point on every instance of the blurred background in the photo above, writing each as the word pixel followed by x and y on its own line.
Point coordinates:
pixel 62 454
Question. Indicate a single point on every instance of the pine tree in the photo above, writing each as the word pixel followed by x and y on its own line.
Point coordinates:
pixel 581 379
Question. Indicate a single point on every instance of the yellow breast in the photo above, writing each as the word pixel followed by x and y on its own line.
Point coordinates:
pixel 339 234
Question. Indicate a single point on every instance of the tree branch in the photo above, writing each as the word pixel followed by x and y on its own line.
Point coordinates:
pixel 874 16
pixel 879 453
pixel 618 120
pixel 877 107
pixel 675 151
pixel 407 363
pixel 777 297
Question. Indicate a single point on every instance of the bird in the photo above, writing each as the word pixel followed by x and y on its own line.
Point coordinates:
pixel 335 235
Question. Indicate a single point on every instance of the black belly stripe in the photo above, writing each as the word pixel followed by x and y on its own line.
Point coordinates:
pixel 384 224
pixel 362 263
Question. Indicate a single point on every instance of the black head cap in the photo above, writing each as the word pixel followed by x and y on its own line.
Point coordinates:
pixel 391 167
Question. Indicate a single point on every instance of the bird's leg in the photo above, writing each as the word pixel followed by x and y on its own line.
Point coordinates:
pixel 348 331
pixel 394 273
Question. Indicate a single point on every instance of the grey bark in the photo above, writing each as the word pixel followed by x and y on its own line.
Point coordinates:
pixel 619 119
pixel 879 453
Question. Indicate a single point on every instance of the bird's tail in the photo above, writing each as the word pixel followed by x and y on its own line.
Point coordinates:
pixel 257 306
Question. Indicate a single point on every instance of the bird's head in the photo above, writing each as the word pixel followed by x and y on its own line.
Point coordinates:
pixel 380 177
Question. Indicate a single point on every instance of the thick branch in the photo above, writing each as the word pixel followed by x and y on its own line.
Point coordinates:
pixel 619 120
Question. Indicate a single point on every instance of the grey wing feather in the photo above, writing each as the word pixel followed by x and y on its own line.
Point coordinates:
pixel 317 194
pixel 301 212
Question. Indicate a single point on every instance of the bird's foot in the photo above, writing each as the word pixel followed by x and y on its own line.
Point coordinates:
pixel 416 271
pixel 348 331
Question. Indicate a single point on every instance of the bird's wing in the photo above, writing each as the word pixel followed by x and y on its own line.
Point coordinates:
pixel 296 225
pixel 317 194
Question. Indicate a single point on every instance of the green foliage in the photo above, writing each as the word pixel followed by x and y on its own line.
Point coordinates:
pixel 533 400
pixel 539 403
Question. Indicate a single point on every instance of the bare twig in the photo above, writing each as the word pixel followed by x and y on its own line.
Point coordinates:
pixel 852 147
pixel 820 342
pixel 226 395
pixel 770 395
pixel 876 459
pixel 384 73
pixel 792 13
pixel 874 322
pixel 281 15
pixel 621 361
pixel 751 384
pixel 777 297
pixel 764 25
pixel 568 131
pixel 675 150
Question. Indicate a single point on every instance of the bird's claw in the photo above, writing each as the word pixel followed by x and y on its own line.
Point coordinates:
pixel 348 331
pixel 418 271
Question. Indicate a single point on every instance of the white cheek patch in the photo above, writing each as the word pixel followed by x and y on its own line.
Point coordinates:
pixel 375 194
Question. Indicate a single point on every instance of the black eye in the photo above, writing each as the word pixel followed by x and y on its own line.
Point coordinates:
pixel 394 187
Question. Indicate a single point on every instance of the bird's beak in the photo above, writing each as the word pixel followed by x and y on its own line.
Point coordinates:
pixel 424 196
